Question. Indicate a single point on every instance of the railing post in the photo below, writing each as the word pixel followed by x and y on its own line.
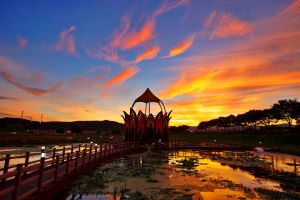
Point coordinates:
pixel 85 147
pixel 95 158
pixel 26 161
pixel 76 159
pixel 41 171
pixel 72 148
pixel 63 155
pixel 53 155
pixel 56 169
pixel 67 166
pixel 79 148
pixel 83 157
pixel 91 146
pixel 6 165
pixel 17 182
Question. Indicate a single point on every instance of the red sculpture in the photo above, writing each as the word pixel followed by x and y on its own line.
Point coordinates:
pixel 144 127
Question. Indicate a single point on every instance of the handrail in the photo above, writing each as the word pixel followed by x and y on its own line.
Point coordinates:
pixel 36 175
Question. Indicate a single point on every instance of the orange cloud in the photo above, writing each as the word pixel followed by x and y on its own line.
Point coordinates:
pixel 248 74
pixel 181 47
pixel 136 37
pixel 66 41
pixel 22 42
pixel 128 37
pixel 148 54
pixel 292 9
pixel 32 90
pixel 224 25
pixel 121 77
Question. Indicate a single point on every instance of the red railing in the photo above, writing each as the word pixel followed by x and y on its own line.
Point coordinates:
pixel 30 178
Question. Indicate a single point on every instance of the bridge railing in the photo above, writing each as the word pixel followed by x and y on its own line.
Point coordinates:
pixel 26 180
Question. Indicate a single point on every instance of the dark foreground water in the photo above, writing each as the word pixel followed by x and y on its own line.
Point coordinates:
pixel 192 175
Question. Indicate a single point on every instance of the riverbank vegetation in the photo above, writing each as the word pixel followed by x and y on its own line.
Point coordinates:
pixel 284 111
pixel 283 140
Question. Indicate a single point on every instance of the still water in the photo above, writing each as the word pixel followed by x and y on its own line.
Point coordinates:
pixel 194 175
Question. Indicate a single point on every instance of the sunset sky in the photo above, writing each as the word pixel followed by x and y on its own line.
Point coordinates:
pixel 89 60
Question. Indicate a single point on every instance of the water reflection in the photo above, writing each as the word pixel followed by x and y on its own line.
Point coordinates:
pixel 191 175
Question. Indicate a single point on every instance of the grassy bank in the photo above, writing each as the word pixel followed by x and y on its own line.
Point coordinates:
pixel 286 141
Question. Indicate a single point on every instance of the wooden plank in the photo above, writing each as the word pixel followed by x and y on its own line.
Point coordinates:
pixel 29 180
pixel 27 194
pixel 6 191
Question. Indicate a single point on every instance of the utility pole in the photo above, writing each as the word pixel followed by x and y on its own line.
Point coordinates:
pixel 22 114
pixel 42 117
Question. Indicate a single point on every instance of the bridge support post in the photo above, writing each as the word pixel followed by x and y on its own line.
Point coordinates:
pixel 83 157
pixel 91 148
pixel 17 182
pixel 27 154
pixel 95 158
pixel 63 154
pixel 53 155
pixel 72 149
pixel 76 159
pixel 41 172
pixel 56 169
pixel 67 166
pixel 6 165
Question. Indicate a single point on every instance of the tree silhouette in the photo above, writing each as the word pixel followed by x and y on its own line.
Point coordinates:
pixel 285 110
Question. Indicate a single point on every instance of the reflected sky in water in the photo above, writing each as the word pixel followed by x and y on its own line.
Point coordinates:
pixel 188 175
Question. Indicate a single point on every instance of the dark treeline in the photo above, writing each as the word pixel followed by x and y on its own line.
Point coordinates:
pixel 285 110
pixel 17 124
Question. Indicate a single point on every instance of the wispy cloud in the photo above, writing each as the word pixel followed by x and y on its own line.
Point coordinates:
pixel 66 41
pixel 121 77
pixel 88 82
pixel 224 25
pixel 169 5
pixel 136 37
pixel 182 46
pixel 8 98
pixel 22 41
pixel 148 54
pixel 126 37
pixel 241 74
pixel 32 90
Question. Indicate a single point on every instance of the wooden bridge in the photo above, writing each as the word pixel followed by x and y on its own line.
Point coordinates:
pixel 45 177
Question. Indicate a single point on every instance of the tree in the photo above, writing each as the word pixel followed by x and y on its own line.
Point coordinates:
pixel 267 117
pixel 285 110
pixel 296 111
pixel 252 117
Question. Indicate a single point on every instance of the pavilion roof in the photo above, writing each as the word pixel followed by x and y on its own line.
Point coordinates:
pixel 147 97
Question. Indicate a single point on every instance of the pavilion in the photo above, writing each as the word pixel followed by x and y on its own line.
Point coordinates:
pixel 146 126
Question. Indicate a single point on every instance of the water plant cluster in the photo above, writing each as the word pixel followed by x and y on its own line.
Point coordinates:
pixel 151 175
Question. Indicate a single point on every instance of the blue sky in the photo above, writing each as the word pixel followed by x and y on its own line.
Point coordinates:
pixel 73 60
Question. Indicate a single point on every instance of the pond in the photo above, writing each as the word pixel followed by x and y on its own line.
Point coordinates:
pixel 191 174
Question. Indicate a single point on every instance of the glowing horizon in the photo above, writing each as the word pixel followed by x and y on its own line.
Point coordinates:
pixel 84 61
